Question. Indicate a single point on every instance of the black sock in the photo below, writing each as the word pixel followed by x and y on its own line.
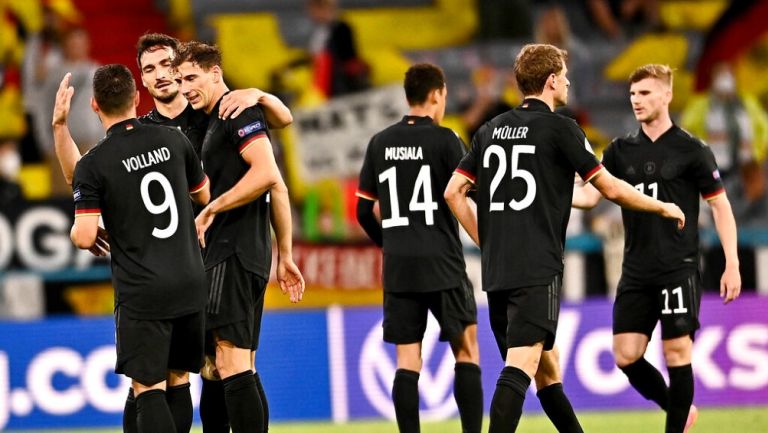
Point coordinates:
pixel 243 403
pixel 129 414
pixel 507 402
pixel 263 397
pixel 680 397
pixel 405 396
pixel 648 381
pixel 152 413
pixel 213 408
pixel 558 408
pixel 180 403
pixel 468 392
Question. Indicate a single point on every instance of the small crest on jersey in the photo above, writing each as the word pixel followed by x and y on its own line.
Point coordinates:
pixel 631 171
pixel 588 146
pixel 716 174
pixel 76 194
pixel 649 167
pixel 247 129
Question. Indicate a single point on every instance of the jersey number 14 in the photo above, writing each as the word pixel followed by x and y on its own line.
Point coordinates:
pixel 422 187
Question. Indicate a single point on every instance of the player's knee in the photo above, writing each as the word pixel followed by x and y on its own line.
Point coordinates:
pixel 625 355
pixel 678 351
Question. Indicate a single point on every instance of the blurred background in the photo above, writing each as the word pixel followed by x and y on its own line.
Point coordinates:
pixel 339 66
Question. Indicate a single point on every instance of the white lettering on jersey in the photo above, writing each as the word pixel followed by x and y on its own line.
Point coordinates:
pixel 411 152
pixel 147 159
pixel 507 133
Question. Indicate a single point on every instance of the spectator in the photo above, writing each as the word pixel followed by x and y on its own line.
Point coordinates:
pixel 615 17
pixel 337 68
pixel 10 164
pixel 495 93
pixel 735 127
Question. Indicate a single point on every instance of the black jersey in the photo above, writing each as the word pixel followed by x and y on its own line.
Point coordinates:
pixel 244 230
pixel 676 168
pixel 407 167
pixel 193 123
pixel 139 178
pixel 523 165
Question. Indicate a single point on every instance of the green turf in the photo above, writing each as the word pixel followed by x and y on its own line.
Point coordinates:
pixel 742 420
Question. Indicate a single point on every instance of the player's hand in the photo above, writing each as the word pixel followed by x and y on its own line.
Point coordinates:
pixel 101 247
pixel 672 211
pixel 730 284
pixel 290 279
pixel 63 101
pixel 202 222
pixel 236 101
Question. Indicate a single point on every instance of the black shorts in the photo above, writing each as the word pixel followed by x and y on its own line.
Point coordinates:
pixel 235 305
pixel 638 307
pixel 405 314
pixel 525 315
pixel 147 349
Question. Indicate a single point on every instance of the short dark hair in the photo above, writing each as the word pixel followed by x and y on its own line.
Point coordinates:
pixel 151 41
pixel 535 63
pixel 114 89
pixel 204 55
pixel 420 80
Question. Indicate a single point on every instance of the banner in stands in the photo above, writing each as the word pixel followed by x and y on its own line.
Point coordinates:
pixel 332 138
pixel 331 364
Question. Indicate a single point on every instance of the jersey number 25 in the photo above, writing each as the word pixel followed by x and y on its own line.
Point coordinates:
pixel 515 172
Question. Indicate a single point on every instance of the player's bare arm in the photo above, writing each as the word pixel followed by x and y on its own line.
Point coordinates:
pixel 456 197
pixel 66 150
pixel 84 231
pixel 277 114
pixel 262 176
pixel 288 274
pixel 725 224
pixel 68 154
pixel 585 196
pixel 623 194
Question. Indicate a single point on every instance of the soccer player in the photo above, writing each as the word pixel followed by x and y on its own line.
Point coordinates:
pixel 234 230
pixel 522 164
pixel 154 54
pixel 407 167
pixel 660 274
pixel 137 179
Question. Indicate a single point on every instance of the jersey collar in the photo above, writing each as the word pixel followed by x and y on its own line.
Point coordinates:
pixel 645 137
pixel 417 120
pixel 125 125
pixel 533 104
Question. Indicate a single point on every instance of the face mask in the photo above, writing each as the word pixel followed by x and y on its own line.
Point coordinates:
pixel 724 83
pixel 10 165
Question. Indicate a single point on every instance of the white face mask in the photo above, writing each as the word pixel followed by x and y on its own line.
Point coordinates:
pixel 724 83
pixel 10 165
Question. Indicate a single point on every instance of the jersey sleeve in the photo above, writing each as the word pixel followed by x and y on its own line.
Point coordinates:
pixel 707 174
pixel 574 144
pixel 85 188
pixel 247 128
pixel 455 151
pixel 366 187
pixel 468 165
pixel 609 157
pixel 196 178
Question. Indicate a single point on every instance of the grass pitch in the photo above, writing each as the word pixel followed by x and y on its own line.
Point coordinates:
pixel 711 420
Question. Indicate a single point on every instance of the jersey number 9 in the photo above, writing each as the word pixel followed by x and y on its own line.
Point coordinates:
pixel 168 203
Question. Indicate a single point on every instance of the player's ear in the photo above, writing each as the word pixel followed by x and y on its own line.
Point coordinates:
pixel 216 73
pixel 136 100
pixel 94 105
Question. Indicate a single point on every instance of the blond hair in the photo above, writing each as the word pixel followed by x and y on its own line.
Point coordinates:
pixel 535 63
pixel 662 73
